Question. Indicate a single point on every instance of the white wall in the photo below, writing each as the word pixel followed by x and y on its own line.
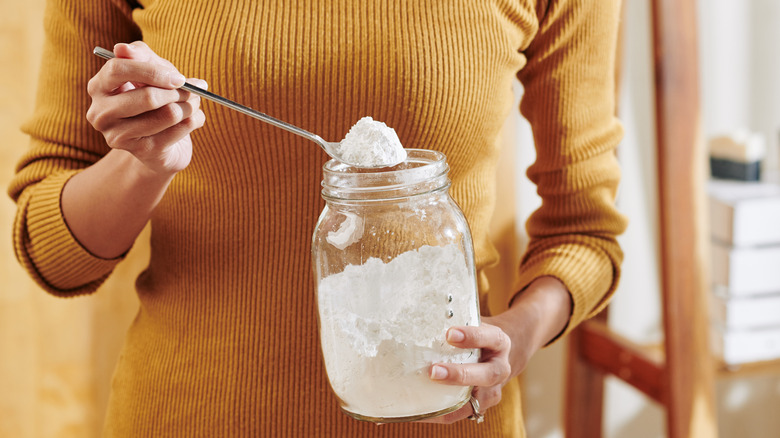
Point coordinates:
pixel 740 65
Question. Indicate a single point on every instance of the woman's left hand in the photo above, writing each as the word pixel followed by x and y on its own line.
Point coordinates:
pixel 536 316
pixel 487 377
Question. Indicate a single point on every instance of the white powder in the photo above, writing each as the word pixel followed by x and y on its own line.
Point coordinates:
pixel 383 325
pixel 370 143
pixel 349 232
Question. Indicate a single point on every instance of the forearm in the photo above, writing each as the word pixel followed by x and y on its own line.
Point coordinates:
pixel 537 316
pixel 108 204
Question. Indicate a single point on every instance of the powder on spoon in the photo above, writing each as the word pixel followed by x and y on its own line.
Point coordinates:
pixel 371 143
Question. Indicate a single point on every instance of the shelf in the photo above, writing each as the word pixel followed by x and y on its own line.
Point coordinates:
pixel 748 369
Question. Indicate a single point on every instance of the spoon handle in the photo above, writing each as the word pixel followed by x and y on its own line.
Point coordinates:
pixel 107 54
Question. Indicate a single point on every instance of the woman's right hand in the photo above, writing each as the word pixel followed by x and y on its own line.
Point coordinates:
pixel 138 107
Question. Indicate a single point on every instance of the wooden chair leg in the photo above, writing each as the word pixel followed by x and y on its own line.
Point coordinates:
pixel 682 382
pixel 584 400
pixel 689 368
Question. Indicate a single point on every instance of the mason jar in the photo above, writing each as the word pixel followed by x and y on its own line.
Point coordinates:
pixel 394 269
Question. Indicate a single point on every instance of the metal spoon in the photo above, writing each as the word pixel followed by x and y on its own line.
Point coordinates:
pixel 330 148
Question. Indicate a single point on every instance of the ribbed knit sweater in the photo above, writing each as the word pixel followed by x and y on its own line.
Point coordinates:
pixel 225 342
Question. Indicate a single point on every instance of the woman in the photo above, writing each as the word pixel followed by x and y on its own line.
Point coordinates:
pixel 225 341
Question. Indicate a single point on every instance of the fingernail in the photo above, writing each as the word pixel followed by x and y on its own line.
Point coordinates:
pixel 438 372
pixel 177 79
pixel 455 335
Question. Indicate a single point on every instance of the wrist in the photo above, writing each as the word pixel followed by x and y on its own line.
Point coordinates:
pixel 143 173
pixel 550 303
pixel 536 317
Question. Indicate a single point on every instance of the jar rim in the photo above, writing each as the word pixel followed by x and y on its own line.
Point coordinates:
pixel 420 165
pixel 423 170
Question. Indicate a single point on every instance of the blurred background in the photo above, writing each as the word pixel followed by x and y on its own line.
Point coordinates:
pixel 57 355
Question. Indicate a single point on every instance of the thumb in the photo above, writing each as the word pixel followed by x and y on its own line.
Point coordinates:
pixel 129 51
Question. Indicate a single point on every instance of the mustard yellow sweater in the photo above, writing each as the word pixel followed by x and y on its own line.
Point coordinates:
pixel 225 342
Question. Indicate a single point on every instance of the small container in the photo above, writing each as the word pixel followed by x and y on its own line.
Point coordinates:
pixel 394 269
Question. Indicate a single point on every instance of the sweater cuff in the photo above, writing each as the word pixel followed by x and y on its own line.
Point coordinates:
pixel 62 264
pixel 587 272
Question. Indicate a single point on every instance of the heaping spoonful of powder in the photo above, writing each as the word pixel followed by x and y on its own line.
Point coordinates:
pixel 371 143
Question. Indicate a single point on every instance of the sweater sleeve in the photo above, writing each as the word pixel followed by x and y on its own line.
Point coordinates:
pixel 569 100
pixel 62 142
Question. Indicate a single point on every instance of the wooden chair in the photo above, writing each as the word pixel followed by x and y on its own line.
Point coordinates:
pixel 681 377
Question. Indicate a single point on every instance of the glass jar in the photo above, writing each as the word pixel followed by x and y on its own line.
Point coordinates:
pixel 394 269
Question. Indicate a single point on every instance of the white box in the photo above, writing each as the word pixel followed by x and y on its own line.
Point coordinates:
pixel 746 271
pixel 744 213
pixel 736 347
pixel 745 313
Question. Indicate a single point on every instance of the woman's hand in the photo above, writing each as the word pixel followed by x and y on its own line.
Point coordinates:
pixel 508 341
pixel 147 121
pixel 487 377
pixel 138 107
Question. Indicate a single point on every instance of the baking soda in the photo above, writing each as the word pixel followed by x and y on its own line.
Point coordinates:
pixel 370 143
pixel 349 232
pixel 383 325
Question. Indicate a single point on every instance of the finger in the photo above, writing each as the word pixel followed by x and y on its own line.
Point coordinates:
pixel 140 51
pixel 492 372
pixel 461 414
pixel 110 110
pixel 148 125
pixel 484 336
pixel 194 101
pixel 200 83
pixel 487 397
pixel 172 134
pixel 116 72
